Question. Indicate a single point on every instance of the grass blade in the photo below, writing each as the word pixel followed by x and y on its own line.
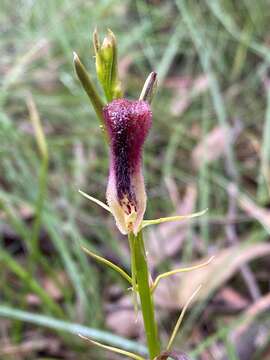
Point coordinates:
pixel 72 328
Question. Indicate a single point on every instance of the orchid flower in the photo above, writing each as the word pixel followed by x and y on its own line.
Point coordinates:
pixel 128 123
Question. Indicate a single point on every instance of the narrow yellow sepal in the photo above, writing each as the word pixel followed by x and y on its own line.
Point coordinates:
pixel 146 223
pixel 96 201
pixel 108 263
pixel 113 349
pixel 177 271
pixel 179 321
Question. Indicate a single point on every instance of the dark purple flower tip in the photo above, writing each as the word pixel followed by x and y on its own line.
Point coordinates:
pixel 128 123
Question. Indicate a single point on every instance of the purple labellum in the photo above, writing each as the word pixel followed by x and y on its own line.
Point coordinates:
pixel 127 123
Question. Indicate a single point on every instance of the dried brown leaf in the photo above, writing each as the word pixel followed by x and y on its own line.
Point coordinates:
pixel 252 209
pixel 122 319
pixel 33 300
pixel 176 355
pixel 186 92
pixel 214 144
pixel 52 288
pixel 230 299
pixel 226 263
pixel 211 147
pixel 170 236
pixel 260 306
pixel 29 347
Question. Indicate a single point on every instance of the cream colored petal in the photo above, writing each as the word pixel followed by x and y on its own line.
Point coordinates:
pixel 115 207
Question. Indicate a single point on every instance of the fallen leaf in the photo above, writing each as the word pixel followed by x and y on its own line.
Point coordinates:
pixel 260 306
pixel 52 287
pixel 123 320
pixel 28 347
pixel 170 236
pixel 227 298
pixel 176 355
pixel 185 94
pixel 225 264
pixel 248 334
pixel 33 300
pixel 213 145
pixel 261 214
pixel 180 83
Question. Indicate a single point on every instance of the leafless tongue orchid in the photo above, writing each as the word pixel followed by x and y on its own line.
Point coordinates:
pixel 128 123
pixel 125 125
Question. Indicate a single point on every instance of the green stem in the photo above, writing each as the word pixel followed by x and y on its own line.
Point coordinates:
pixel 147 306
pixel 133 273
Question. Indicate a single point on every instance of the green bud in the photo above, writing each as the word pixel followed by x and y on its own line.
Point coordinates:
pixel 106 65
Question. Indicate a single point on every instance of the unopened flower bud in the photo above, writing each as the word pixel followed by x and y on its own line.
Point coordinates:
pixel 106 65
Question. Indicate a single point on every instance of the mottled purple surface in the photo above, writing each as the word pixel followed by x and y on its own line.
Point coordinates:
pixel 128 123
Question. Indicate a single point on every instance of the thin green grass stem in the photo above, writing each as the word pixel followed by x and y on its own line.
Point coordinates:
pixel 48 303
pixel 57 324
pixel 42 181
pixel 43 176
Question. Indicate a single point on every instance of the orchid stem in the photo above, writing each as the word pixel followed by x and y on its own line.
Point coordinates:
pixel 143 286
pixel 133 274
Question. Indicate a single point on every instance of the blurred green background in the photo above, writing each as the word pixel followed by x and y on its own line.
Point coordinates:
pixel 209 148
